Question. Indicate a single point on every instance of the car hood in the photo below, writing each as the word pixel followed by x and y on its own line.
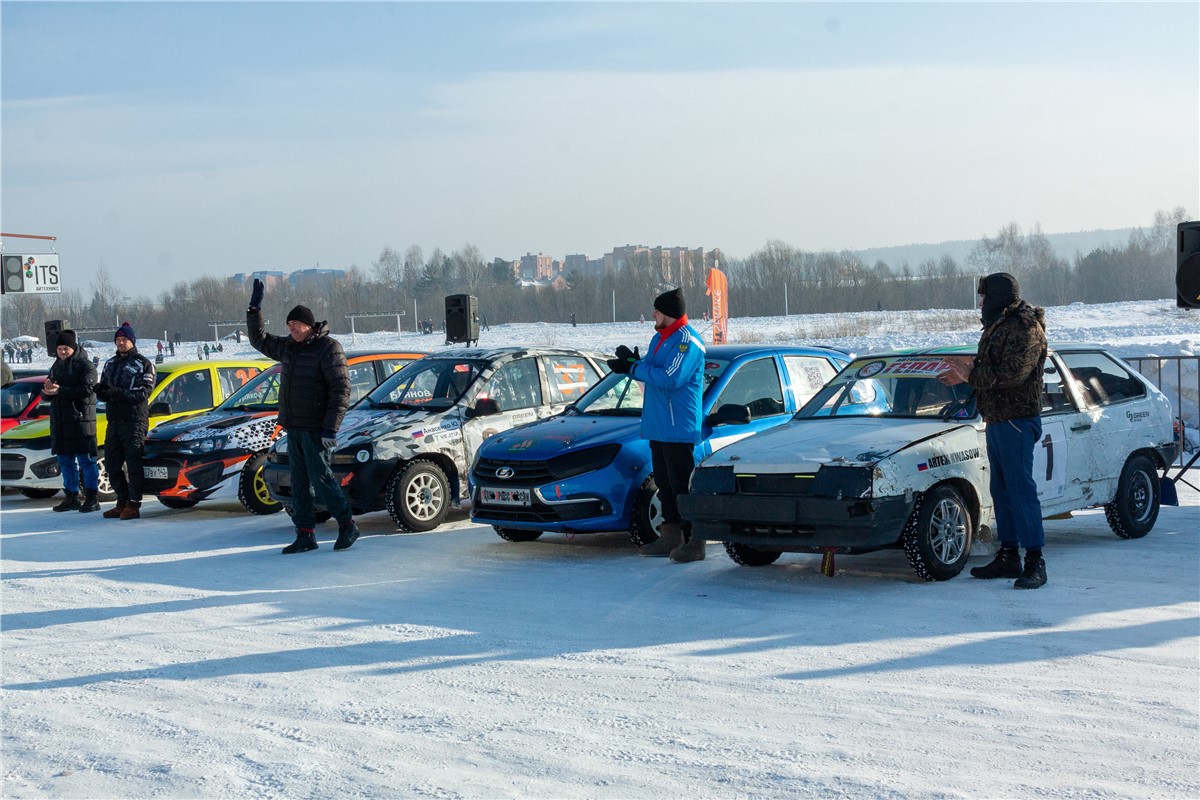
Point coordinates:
pixel 209 420
pixel 802 446
pixel 366 425
pixel 550 437
pixel 31 429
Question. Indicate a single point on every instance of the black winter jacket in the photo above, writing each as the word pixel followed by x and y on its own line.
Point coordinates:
pixel 125 387
pixel 314 390
pixel 73 409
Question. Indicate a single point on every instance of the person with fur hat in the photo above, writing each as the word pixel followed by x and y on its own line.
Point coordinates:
pixel 125 385
pixel 673 373
pixel 1006 373
pixel 314 394
pixel 71 389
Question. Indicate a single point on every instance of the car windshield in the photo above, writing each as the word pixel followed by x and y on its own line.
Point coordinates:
pixel 16 397
pixel 892 386
pixel 261 393
pixel 428 384
pixel 618 395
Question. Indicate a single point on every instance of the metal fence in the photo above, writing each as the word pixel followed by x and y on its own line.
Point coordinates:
pixel 1178 377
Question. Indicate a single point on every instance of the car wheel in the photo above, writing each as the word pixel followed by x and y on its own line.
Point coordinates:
pixel 1134 510
pixel 39 494
pixel 418 496
pixel 104 490
pixel 252 487
pixel 515 535
pixel 749 556
pixel 646 515
pixel 177 502
pixel 937 537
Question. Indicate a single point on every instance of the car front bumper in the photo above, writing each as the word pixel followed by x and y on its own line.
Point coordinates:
pixel 21 468
pixel 801 524
pixel 363 484
pixel 187 477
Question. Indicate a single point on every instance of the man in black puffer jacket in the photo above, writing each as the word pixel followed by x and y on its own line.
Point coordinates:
pixel 125 386
pixel 71 389
pixel 313 397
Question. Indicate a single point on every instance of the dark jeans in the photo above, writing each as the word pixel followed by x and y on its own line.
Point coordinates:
pixel 312 475
pixel 124 446
pixel 72 466
pixel 1010 446
pixel 673 463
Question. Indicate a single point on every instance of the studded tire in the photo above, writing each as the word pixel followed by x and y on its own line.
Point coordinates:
pixel 749 556
pixel 937 537
pixel 515 535
pixel 418 496
pixel 1134 509
pixel 104 489
pixel 252 488
pixel 646 515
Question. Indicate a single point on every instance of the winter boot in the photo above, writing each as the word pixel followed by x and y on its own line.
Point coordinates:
pixel 69 503
pixel 690 550
pixel 1006 564
pixel 1034 576
pixel 89 501
pixel 115 511
pixel 347 535
pixel 132 510
pixel 305 540
pixel 670 536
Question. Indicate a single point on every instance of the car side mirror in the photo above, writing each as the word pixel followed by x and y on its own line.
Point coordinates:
pixel 41 409
pixel 160 409
pixel 484 407
pixel 729 414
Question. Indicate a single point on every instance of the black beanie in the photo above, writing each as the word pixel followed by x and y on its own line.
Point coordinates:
pixel 126 330
pixel 67 338
pixel 1000 290
pixel 302 314
pixel 671 303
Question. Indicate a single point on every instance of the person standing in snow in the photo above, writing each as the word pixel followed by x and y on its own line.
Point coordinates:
pixel 1006 374
pixel 125 386
pixel 71 389
pixel 313 397
pixel 673 373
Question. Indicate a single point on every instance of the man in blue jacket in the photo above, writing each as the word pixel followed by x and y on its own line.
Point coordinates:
pixel 673 373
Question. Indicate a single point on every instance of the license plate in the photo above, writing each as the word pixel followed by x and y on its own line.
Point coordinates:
pixel 504 497
pixel 155 472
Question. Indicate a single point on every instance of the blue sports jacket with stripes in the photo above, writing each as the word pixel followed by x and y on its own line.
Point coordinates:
pixel 673 374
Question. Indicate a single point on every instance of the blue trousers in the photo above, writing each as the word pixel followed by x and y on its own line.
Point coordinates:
pixel 1010 446
pixel 70 472
pixel 312 479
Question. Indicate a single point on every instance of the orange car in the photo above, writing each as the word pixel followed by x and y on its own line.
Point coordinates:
pixel 219 454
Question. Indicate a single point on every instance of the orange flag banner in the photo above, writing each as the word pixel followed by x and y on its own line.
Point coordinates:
pixel 718 289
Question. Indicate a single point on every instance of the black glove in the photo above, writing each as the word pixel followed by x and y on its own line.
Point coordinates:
pixel 256 296
pixel 620 365
pixel 102 391
pixel 625 354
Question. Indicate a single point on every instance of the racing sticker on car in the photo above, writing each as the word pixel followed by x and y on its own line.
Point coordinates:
pixel 871 369
pixel 922 366
pixel 943 460
pixel 1050 461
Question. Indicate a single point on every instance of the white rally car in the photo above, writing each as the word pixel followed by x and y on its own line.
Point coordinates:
pixel 887 456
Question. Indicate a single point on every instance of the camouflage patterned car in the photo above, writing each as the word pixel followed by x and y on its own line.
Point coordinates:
pixel 407 446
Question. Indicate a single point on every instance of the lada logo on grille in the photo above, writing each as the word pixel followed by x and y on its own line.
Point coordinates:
pixel 504 473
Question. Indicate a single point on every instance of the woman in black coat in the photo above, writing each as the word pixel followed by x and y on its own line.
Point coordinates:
pixel 71 389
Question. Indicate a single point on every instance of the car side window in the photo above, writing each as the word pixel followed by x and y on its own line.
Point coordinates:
pixel 807 375
pixel 362 379
pixel 569 377
pixel 1054 395
pixel 191 391
pixel 755 385
pixel 516 385
pixel 1101 380
pixel 234 378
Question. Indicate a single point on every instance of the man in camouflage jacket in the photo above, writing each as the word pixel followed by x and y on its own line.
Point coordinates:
pixel 1007 376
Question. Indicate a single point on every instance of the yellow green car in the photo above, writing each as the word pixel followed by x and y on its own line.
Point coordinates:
pixel 182 388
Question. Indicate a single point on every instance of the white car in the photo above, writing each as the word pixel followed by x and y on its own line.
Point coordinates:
pixel 887 456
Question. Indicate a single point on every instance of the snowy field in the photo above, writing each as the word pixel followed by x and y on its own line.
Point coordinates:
pixel 181 655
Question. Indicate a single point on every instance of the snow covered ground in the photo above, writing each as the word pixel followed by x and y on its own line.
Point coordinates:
pixel 181 655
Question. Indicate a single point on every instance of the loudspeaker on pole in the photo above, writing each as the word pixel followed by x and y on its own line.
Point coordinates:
pixel 462 318
pixel 1187 266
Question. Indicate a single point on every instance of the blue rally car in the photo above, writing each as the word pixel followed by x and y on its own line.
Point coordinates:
pixel 588 469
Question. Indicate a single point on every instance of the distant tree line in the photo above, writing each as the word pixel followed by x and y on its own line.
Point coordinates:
pixel 759 285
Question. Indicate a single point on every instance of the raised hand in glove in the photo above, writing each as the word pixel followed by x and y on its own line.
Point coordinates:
pixel 620 365
pixel 625 354
pixel 328 439
pixel 256 296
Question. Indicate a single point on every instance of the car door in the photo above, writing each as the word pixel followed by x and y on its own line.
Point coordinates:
pixel 1061 424
pixel 755 384
pixel 516 389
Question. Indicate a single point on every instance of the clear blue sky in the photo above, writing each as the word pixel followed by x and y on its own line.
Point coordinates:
pixel 172 140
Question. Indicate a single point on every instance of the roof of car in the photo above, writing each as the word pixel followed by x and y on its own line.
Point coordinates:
pixel 176 366
pixel 366 354
pixel 967 349
pixel 732 351
pixel 489 353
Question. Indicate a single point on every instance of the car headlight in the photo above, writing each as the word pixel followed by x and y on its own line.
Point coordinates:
pixel 209 444
pixel 582 461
